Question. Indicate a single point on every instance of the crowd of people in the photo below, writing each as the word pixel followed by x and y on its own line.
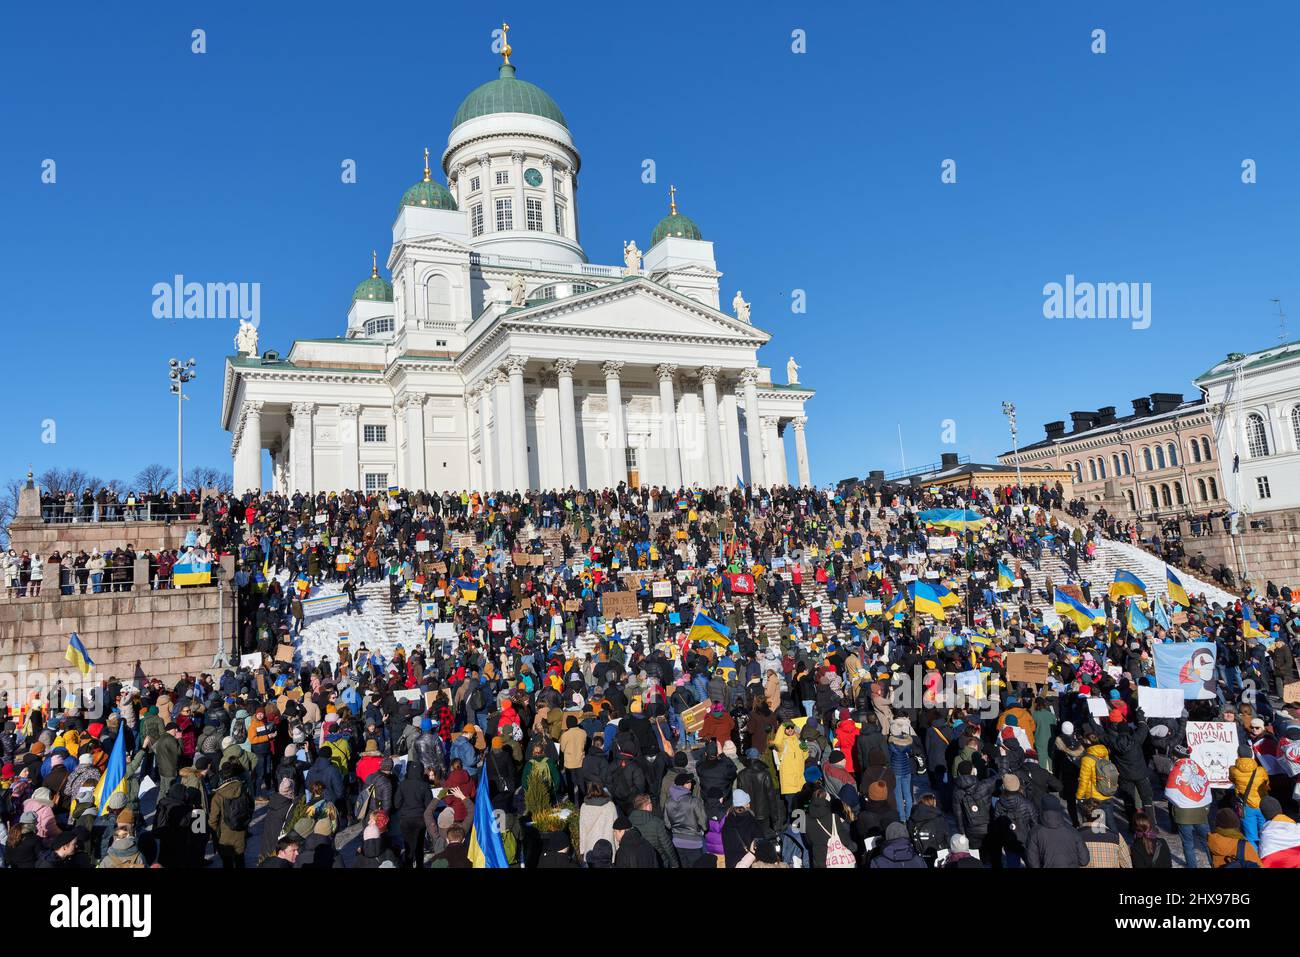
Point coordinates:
pixel 772 693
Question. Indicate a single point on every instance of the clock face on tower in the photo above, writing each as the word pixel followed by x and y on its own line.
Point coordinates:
pixel 532 177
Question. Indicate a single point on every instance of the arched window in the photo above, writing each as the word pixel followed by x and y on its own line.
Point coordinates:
pixel 1214 488
pixel 1173 454
pixel 1101 466
pixel 1164 495
pixel 1295 425
pixel 1131 504
pixel 1151 493
pixel 1114 461
pixel 1256 436
pixel 1178 493
pixel 1205 448
pixel 1146 459
pixel 1160 457
pixel 1092 470
pixel 1200 487
pixel 1078 471
pixel 1127 470
pixel 438 296
pixel 1196 450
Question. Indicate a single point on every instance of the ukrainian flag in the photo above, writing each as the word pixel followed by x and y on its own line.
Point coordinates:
pixel 1137 622
pixel 192 572
pixel 78 655
pixel 898 606
pixel 114 777
pixel 468 588
pixel 1081 614
pixel 1160 614
pixel 705 628
pixel 261 578
pixel 958 519
pixel 947 597
pixel 1177 593
pixel 1126 583
pixel 1006 577
pixel 928 599
pixel 485 846
pixel 1250 624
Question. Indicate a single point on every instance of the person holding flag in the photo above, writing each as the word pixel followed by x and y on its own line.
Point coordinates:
pixel 486 848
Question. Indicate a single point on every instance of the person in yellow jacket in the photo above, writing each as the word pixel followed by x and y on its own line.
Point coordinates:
pixel 1088 789
pixel 1250 781
pixel 791 755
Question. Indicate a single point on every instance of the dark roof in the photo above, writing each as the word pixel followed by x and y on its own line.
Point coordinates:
pixel 1122 421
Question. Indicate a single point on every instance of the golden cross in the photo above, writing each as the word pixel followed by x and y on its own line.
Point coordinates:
pixel 505 41
pixel 672 198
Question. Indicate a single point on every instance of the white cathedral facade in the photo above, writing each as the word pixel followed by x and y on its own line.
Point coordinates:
pixel 499 357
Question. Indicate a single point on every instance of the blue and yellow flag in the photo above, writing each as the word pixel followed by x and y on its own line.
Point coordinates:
pixel 947 597
pixel 114 777
pixel 1250 626
pixel 705 628
pixel 1082 615
pixel 485 846
pixel 1177 593
pixel 1006 577
pixel 928 599
pixel 1125 584
pixel 898 606
pixel 78 655
pixel 1160 613
pixel 1137 622
pixel 192 572
pixel 468 588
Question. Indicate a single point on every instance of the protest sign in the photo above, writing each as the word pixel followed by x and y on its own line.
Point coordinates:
pixel 662 589
pixel 251 660
pixel 619 604
pixel 1160 702
pixel 856 604
pixel 1214 747
pixel 693 717
pixel 1029 668
pixel 1187 666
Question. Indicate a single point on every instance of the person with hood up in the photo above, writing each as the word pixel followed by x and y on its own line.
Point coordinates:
pixel 1250 781
pixel 846 736
pixel 413 797
pixel 972 800
pixel 896 851
pixel 1055 843
pixel 685 819
pixel 1229 846
pixel 756 781
pixel 900 762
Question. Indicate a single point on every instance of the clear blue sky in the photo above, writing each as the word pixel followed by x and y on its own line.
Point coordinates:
pixel 818 171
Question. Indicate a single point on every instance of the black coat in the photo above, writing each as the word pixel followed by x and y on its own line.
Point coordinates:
pixel 1055 844
pixel 635 851
pixel 972 804
pixel 1126 750
pixel 756 781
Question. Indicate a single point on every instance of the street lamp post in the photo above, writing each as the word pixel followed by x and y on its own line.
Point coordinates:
pixel 1009 410
pixel 179 375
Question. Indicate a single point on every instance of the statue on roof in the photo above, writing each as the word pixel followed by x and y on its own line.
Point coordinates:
pixel 518 290
pixel 792 372
pixel 246 338
pixel 631 259
pixel 741 307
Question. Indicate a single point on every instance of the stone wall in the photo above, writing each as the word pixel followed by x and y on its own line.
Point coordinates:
pixel 43 539
pixel 1269 555
pixel 169 632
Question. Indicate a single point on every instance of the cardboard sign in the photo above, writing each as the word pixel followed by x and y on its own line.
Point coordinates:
pixel 284 653
pixel 572 604
pixel 519 558
pixel 856 604
pixel 516 614
pixel 537 560
pixel 619 604
pixel 1160 702
pixel 1291 692
pixel 693 717
pixel 1031 669
pixel 662 589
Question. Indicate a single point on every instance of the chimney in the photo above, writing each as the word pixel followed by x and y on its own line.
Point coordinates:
pixel 1082 421
pixel 1054 430
pixel 876 476
pixel 1106 415
pixel 948 460
pixel 1165 401
pixel 1142 406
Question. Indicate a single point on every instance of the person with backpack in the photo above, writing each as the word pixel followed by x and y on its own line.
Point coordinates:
pixel 1125 744
pixel 1250 782
pixel 1098 777
pixel 928 828
pixel 1228 845
pixel 1014 819
pixel 230 813
pixel 972 799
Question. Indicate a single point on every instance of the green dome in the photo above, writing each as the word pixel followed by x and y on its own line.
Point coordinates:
pixel 430 195
pixel 675 224
pixel 374 289
pixel 506 94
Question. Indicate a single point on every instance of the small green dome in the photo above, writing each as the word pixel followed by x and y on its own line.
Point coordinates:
pixel 430 195
pixel 374 289
pixel 675 224
pixel 507 94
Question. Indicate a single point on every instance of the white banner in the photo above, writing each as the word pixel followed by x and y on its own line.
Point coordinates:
pixel 1160 702
pixel 326 605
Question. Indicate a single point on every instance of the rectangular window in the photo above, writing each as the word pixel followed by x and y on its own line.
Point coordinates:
pixel 376 481
pixel 503 177
pixel 1261 483
pixel 559 220
pixel 441 343
pixel 505 215
pixel 476 219
pixel 535 215
pixel 375 433
pixel 473 184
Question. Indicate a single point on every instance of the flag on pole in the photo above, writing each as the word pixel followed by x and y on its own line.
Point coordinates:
pixel 485 846
pixel 114 777
pixel 1126 583
pixel 1137 622
pixel 1160 614
pixel 705 628
pixel 77 655
pixel 1177 593
pixel 1006 577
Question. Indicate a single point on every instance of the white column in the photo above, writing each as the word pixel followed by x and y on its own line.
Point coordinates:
pixel 485 193
pixel 571 207
pixel 709 387
pixel 572 476
pixel 801 451
pixel 614 418
pixel 668 425
pixel 505 454
pixel 248 458
pixel 753 426
pixel 521 208
pixel 416 477
pixel 303 480
pixel 774 462
pixel 732 458
pixel 349 446
pixel 518 422
pixel 548 214
pixel 486 445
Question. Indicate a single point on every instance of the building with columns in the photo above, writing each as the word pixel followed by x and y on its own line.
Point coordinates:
pixel 500 357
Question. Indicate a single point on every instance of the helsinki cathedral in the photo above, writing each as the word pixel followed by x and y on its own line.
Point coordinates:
pixel 497 356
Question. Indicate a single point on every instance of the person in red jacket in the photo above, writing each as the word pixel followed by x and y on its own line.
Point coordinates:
pixel 846 735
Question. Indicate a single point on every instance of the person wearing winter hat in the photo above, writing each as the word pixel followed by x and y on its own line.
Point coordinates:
pixel 959 854
pixel 1228 844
